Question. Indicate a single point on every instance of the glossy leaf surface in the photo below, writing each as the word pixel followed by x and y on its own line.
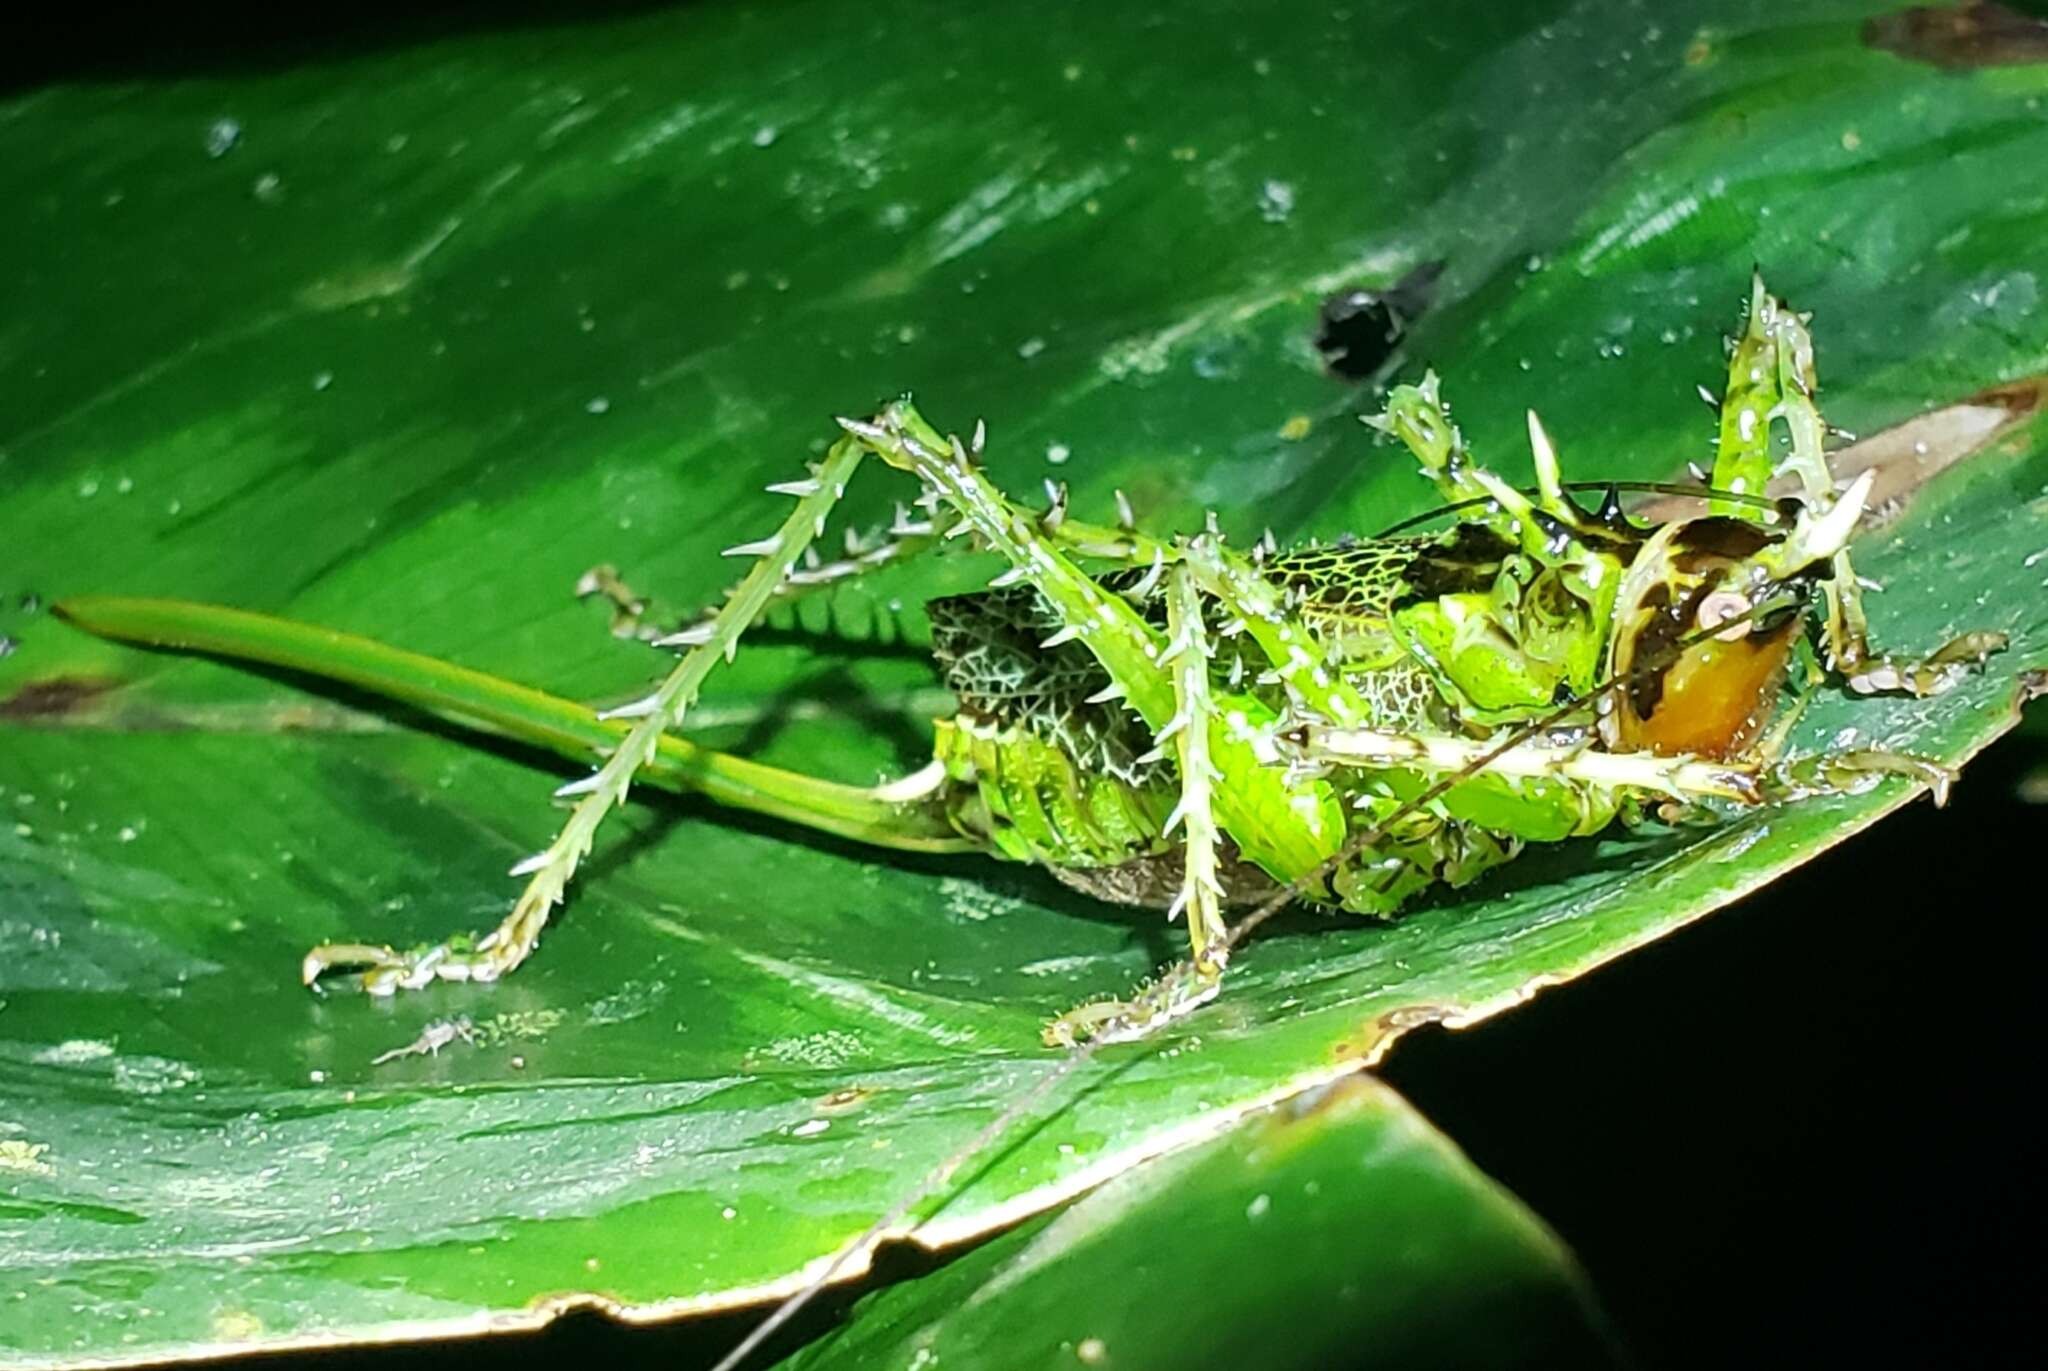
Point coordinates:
pixel 1335 1230
pixel 405 341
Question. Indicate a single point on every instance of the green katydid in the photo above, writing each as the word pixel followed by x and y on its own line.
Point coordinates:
pixel 1171 721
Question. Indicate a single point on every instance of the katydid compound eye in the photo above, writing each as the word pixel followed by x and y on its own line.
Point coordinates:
pixel 1726 607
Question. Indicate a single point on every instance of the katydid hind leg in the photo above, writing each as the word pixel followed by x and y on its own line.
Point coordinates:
pixel 385 971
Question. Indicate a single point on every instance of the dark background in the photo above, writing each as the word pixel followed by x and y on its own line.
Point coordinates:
pixel 1846 1176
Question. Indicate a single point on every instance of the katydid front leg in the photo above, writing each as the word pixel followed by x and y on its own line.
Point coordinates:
pixel 1772 378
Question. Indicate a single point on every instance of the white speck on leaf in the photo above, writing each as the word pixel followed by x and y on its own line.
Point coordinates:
pixel 24 1157
pixel 74 1052
pixel 1276 201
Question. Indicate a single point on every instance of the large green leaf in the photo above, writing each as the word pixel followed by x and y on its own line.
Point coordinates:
pixel 404 342
pixel 1338 1230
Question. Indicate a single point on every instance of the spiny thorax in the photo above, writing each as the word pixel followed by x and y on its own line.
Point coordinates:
pixel 1288 826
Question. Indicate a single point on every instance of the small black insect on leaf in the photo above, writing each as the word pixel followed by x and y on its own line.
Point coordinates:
pixel 1360 327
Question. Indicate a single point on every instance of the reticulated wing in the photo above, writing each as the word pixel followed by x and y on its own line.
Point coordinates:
pixel 987 646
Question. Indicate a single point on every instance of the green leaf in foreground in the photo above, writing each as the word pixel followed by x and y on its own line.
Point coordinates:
pixel 1338 1229
pixel 404 343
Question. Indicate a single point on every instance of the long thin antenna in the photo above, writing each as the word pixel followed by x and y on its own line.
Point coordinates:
pixel 1431 793
pixel 1700 492
pixel 1085 1052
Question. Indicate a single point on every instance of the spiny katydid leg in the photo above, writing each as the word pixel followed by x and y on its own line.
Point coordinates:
pixel 1288 828
pixel 1187 655
pixel 629 609
pixel 1403 856
pixel 905 815
pixel 1772 378
pixel 549 871
pixel 904 538
pixel 1680 778
pixel 1784 779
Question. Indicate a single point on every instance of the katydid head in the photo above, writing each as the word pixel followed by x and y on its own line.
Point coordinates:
pixel 1697 617
pixel 1706 621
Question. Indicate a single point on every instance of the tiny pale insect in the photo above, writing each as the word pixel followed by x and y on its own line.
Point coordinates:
pixel 1169 721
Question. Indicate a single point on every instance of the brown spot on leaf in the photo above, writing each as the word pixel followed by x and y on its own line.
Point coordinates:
pixel 1355 1090
pixel 1395 1022
pixel 1906 456
pixel 1412 1016
pixel 56 698
pixel 1375 1035
pixel 1960 37
pixel 846 1100
pixel 1360 328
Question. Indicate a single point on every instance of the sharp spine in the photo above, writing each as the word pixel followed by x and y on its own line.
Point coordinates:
pixel 764 547
pixel 1151 577
pixel 696 635
pixel 1175 818
pixel 632 709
